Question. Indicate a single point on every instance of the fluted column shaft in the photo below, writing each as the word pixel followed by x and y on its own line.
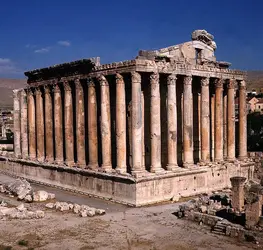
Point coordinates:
pixel 92 126
pixel 24 128
pixel 219 120
pixel 48 125
pixel 120 124
pixel 80 125
pixel 40 125
pixel 225 124
pixel 172 122
pixel 242 121
pixel 105 124
pixel 17 124
pixel 31 124
pixel 205 120
pixel 59 156
pixel 136 124
pixel 188 158
pixel 155 123
pixel 231 120
pixel 68 114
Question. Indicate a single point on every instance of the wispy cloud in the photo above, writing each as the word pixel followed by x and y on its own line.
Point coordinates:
pixel 30 46
pixel 64 43
pixel 43 50
pixel 7 66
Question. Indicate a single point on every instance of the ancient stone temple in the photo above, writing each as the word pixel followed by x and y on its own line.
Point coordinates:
pixel 146 130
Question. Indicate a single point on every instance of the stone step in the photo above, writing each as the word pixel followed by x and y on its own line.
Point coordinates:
pixel 218 230
pixel 219 233
pixel 220 226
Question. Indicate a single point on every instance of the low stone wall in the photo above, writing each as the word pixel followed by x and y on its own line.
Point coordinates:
pixel 257 158
pixel 152 188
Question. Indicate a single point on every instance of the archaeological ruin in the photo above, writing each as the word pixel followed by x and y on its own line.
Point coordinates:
pixel 151 129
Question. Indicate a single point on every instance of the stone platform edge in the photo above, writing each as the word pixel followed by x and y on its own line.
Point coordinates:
pixel 125 189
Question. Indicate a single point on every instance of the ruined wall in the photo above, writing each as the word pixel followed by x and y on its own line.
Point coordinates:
pixel 257 158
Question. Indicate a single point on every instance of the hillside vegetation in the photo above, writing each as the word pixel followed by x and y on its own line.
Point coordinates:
pixel 255 80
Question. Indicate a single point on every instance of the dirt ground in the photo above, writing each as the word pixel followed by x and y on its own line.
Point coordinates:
pixel 121 227
pixel 135 228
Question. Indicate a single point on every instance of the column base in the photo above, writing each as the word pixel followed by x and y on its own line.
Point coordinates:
pixel 121 170
pixel 41 159
pixel 230 159
pixel 93 166
pixel 70 163
pixel 105 168
pixel 188 165
pixel 80 165
pixel 172 167
pixel 242 158
pixel 138 173
pixel 59 162
pixel 156 169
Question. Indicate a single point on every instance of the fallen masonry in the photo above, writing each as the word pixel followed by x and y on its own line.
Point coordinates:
pixel 22 189
pixel 82 210
pixel 19 212
pixel 235 213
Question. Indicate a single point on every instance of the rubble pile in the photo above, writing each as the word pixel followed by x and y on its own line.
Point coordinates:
pixel 210 210
pixel 22 189
pixel 19 212
pixel 82 210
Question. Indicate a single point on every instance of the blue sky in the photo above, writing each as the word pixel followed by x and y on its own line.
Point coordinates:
pixel 37 34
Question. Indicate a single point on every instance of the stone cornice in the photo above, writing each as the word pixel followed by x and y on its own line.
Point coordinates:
pixel 86 68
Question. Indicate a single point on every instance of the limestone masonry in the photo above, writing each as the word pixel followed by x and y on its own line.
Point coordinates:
pixel 146 130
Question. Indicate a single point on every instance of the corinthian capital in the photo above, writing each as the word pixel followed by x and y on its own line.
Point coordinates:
pixel 67 86
pixel 154 78
pixel 103 81
pixel 231 84
pixel 171 79
pixel 136 77
pixel 219 82
pixel 242 85
pixel 205 81
pixel 119 79
pixel 188 80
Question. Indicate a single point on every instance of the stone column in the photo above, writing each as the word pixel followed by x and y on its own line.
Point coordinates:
pixel 105 124
pixel 59 158
pixel 17 123
pixel 68 115
pixel 188 122
pixel 24 128
pixel 120 124
pixel 155 124
pixel 80 125
pixel 48 125
pixel 205 120
pixel 242 121
pixel 40 125
pixel 143 144
pixel 172 123
pixel 137 169
pixel 238 192
pixel 31 124
pixel 92 126
pixel 213 127
pixel 231 120
pixel 225 124
pixel 219 120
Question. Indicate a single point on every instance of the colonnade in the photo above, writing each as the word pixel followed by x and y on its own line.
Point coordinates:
pixel 44 117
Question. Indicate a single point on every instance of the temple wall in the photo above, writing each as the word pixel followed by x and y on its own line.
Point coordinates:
pixel 128 190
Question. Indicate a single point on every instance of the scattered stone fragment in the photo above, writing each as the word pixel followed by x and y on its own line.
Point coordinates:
pixel 28 198
pixel 91 212
pixel 71 206
pixel 50 205
pixel 76 208
pixel 40 195
pixel 83 213
pixel 100 211
pixel 51 196
pixel 21 208
pixel 19 188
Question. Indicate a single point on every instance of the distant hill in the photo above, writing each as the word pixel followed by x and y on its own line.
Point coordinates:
pixel 6 90
pixel 255 80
